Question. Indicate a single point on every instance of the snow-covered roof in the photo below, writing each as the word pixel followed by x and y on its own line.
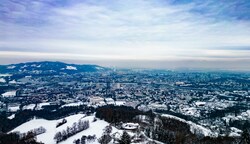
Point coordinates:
pixel 200 103
pixel 130 126
pixel 71 68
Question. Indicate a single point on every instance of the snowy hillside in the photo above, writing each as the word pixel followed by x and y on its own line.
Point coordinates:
pixel 49 67
pixel 194 128
pixel 96 128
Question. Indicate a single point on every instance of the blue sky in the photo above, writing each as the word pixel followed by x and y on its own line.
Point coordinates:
pixel 128 33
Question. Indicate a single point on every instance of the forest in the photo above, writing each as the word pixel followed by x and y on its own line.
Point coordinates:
pixel 166 130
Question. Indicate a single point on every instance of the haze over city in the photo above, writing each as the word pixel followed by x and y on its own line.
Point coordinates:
pixel 207 34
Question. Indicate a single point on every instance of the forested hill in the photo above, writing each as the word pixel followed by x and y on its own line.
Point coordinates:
pixel 49 67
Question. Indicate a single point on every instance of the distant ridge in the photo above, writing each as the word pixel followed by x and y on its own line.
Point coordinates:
pixel 50 67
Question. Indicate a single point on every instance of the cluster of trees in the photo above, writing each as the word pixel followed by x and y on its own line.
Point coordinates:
pixel 37 131
pixel 168 130
pixel 48 113
pixel 4 88
pixel 15 138
pixel 125 138
pixel 84 139
pixel 106 137
pixel 70 131
pixel 116 114
pixel 61 123
pixel 236 109
pixel 240 124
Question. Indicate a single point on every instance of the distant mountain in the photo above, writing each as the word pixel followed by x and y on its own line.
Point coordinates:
pixel 49 67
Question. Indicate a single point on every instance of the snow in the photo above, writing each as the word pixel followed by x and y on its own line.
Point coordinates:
pixel 235 132
pixel 242 116
pixel 12 82
pixel 109 101
pixel 50 126
pixel 24 66
pixel 99 68
pixel 12 116
pixel 190 111
pixel 157 106
pixel 200 103
pixel 9 94
pixel 11 67
pixel 71 68
pixel 73 104
pixel 29 107
pixel 40 105
pixel 96 128
pixel 13 108
pixel 5 75
pixel 119 103
pixel 2 80
pixel 193 126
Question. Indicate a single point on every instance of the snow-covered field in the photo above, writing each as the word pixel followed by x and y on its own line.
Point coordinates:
pixel 73 104
pixel 40 105
pixel 9 94
pixel 11 67
pixel 13 108
pixel 5 75
pixel 12 82
pixel 29 107
pixel 2 80
pixel 71 68
pixel 50 126
pixel 12 116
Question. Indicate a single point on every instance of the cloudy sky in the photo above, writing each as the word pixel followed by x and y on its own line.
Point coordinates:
pixel 128 33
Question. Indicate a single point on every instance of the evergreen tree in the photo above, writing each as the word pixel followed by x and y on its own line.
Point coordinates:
pixel 125 138
pixel 105 139
pixel 83 139
pixel 108 129
pixel 245 137
pixel 77 141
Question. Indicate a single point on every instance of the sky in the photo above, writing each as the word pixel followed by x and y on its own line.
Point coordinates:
pixel 171 34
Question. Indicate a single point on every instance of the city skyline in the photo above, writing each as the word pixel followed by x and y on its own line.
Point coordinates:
pixel 140 34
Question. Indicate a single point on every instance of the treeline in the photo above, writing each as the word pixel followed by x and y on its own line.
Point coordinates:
pixel 38 131
pixel 61 123
pixel 240 124
pixel 237 109
pixel 116 114
pixel 49 114
pixel 163 129
pixel 107 138
pixel 180 115
pixel 70 131
pixel 85 139
pixel 15 138
pixel 4 88
pixel 168 130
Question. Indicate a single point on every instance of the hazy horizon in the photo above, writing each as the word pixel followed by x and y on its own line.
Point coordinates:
pixel 131 34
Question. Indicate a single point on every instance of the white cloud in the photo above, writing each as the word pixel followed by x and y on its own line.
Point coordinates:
pixel 128 30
